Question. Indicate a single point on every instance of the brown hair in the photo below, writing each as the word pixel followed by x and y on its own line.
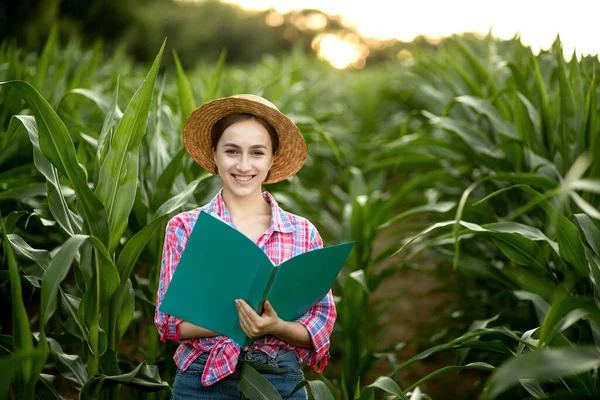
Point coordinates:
pixel 225 122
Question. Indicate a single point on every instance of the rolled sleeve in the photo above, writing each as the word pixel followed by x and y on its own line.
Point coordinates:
pixel 175 240
pixel 319 323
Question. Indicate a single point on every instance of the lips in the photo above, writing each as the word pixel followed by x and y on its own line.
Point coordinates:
pixel 243 178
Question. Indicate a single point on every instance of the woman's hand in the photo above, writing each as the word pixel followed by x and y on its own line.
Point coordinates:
pixel 254 325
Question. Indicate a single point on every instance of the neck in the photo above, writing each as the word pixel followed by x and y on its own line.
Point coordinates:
pixel 250 205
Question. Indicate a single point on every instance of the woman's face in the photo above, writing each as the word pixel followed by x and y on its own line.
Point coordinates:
pixel 244 156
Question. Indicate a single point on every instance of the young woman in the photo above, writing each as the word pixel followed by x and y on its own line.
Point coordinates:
pixel 247 142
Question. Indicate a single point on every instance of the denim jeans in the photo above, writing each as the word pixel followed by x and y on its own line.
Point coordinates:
pixel 188 385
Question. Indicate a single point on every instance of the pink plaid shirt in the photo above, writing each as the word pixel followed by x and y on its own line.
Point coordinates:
pixel 288 236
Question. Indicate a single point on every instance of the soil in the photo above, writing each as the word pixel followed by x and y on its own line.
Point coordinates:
pixel 418 315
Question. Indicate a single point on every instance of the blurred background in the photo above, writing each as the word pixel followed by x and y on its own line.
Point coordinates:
pixel 346 34
pixel 456 142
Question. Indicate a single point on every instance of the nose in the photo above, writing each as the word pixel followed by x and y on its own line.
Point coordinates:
pixel 243 164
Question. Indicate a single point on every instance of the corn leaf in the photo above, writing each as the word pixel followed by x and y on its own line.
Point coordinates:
pixel 119 172
pixel 186 94
pixel 255 386
pixel 144 378
pixel 57 146
pixel 543 365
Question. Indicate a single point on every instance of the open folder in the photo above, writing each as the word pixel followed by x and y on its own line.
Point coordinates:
pixel 220 264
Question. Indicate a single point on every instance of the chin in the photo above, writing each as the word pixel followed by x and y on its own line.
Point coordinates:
pixel 243 191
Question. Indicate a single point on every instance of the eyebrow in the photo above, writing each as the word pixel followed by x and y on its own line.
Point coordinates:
pixel 252 147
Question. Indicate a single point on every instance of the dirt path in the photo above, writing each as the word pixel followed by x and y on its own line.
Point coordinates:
pixel 415 317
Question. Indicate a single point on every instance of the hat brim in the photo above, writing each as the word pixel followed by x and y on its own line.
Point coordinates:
pixel 292 151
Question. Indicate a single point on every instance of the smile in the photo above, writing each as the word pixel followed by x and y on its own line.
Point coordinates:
pixel 243 178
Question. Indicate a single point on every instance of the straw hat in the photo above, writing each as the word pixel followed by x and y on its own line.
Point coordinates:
pixel 197 133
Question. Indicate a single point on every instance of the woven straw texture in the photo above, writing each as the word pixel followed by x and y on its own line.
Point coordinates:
pixel 292 151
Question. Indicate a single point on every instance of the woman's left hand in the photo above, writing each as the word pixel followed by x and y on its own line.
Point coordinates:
pixel 255 325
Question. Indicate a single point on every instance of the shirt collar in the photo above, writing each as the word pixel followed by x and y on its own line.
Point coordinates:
pixel 280 220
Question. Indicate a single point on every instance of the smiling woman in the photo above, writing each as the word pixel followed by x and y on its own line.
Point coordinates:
pixel 246 142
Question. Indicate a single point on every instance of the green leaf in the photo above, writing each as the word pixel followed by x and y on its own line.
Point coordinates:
pixel 590 232
pixel 533 387
pixel 387 385
pixel 184 89
pixel 43 63
pixel 570 245
pixel 255 386
pixel 543 365
pixel 180 199
pixel 526 231
pixel 45 388
pixel 70 366
pixel 23 192
pixel 23 249
pixel 144 378
pixel 57 271
pixel 459 342
pixel 17 362
pixel 212 87
pixel 473 138
pixel 105 138
pixel 566 101
pixel 59 208
pixel 125 312
pixel 480 366
pixel 519 249
pixel 486 108
pixel 165 181
pixel 547 113
pixel 540 305
pixel 359 276
pixel 57 147
pixel 565 312
pixel 68 311
pixel 441 207
pixel 119 173
pixel 97 98
pixel 319 390
pixel 20 321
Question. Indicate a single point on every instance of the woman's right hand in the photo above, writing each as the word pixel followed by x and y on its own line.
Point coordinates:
pixel 191 331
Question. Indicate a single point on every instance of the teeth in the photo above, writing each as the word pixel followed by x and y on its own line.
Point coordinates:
pixel 243 178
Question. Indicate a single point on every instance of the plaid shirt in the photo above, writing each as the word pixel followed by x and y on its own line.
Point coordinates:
pixel 287 236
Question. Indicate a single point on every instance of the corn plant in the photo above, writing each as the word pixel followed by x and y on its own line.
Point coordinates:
pixel 521 134
pixel 101 313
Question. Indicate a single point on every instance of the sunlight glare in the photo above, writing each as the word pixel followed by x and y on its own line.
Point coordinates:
pixel 537 21
pixel 340 52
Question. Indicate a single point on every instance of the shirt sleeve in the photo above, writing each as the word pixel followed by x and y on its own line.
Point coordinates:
pixel 319 321
pixel 175 241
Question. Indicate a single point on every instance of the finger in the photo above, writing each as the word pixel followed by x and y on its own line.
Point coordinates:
pixel 240 308
pixel 244 315
pixel 244 325
pixel 269 310
pixel 248 311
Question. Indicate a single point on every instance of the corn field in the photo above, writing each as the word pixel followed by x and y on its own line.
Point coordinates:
pixel 481 160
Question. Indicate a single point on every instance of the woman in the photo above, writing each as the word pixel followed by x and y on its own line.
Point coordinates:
pixel 246 142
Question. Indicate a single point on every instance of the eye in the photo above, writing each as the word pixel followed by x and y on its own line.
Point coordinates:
pixel 257 153
pixel 230 151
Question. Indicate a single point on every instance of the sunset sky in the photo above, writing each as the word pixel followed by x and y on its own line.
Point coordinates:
pixel 537 21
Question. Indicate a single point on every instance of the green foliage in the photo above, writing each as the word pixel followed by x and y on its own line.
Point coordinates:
pixel 481 159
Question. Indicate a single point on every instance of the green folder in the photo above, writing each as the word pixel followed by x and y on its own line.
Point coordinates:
pixel 220 264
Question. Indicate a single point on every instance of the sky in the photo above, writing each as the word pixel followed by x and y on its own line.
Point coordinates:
pixel 537 21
